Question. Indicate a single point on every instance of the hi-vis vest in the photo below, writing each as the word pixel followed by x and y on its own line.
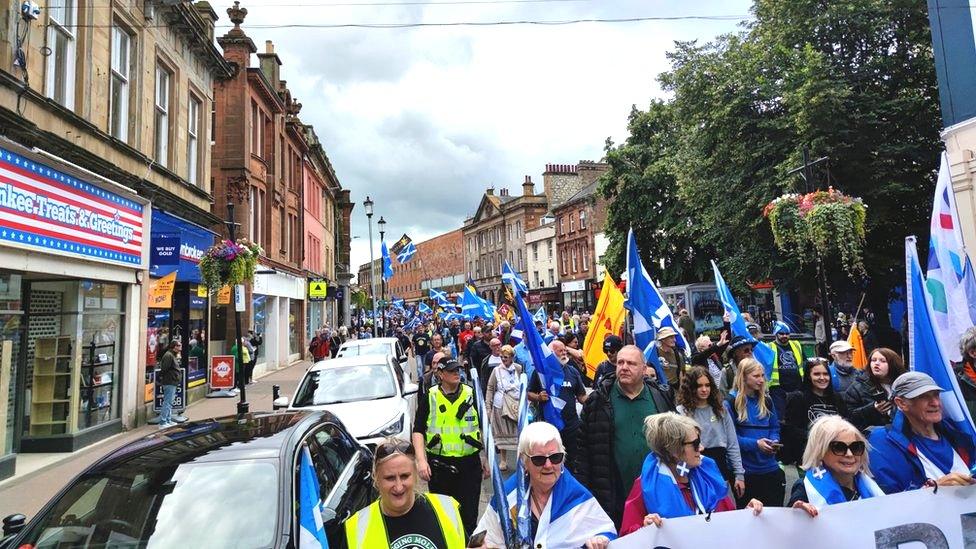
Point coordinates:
pixel 367 529
pixel 797 352
pixel 571 324
pixel 443 420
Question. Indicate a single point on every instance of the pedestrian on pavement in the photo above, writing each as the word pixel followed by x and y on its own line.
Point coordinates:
pixel 757 426
pixel 254 340
pixel 611 442
pixel 672 358
pixel 868 399
pixel 611 345
pixel 502 400
pixel 169 378
pixel 814 400
pixel 700 399
pixel 835 462
pixel 842 370
pixel 335 341
pixel 676 479
pixel 563 513
pixel 788 361
pixel 448 441
pixel 319 346
pixel 401 517
pixel 572 391
pixel 920 446
pixel 242 360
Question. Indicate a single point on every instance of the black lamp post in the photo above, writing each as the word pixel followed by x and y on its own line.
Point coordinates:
pixel 368 206
pixel 242 406
pixel 382 225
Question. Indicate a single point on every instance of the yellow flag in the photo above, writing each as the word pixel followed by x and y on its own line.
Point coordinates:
pixel 606 320
pixel 860 354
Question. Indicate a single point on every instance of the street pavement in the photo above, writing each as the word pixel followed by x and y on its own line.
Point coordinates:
pixel 27 494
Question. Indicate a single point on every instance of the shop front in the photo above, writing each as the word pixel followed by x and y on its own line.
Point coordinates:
pixel 178 302
pixel 72 252
pixel 278 315
pixel 315 317
pixel 577 296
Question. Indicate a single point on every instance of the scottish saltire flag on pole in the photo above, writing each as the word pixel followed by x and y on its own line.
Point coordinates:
pixel 762 352
pixel 925 349
pixel 312 532
pixel 946 267
pixel 514 281
pixel 387 264
pixel 547 366
pixel 472 305
pixel 438 295
pixel 407 253
pixel 424 308
pixel 522 509
pixel 498 502
pixel 541 315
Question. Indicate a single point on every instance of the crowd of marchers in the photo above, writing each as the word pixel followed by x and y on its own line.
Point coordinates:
pixel 715 435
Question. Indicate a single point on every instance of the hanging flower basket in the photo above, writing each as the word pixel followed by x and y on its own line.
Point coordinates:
pixel 229 263
pixel 822 223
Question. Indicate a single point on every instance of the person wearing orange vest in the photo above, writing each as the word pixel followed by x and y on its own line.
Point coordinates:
pixel 788 361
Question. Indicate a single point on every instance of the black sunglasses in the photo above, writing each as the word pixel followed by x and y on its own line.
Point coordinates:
pixel 694 443
pixel 555 459
pixel 387 449
pixel 840 449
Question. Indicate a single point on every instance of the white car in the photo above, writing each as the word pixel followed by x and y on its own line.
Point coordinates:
pixel 369 393
pixel 372 346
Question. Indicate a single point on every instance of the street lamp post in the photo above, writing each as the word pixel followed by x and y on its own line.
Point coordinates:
pixel 242 406
pixel 368 206
pixel 382 226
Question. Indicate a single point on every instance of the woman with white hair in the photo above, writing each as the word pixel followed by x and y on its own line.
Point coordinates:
pixel 563 513
pixel 676 480
pixel 836 464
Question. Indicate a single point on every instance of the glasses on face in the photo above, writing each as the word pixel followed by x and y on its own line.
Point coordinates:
pixel 387 449
pixel 693 443
pixel 840 449
pixel 555 459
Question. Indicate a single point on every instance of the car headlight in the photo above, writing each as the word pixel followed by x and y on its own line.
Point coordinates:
pixel 390 429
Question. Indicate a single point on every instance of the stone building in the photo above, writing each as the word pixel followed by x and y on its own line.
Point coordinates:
pixel 258 166
pixel 102 138
pixel 496 233
pixel 578 219
pixel 543 278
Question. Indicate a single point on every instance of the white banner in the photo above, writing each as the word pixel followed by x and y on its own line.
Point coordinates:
pixel 944 520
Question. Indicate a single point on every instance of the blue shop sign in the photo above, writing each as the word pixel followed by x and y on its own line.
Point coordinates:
pixel 177 245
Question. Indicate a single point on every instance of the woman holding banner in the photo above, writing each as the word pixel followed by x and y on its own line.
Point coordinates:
pixel 836 464
pixel 676 480
pixel 562 512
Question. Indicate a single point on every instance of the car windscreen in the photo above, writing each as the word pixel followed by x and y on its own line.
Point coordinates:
pixel 156 507
pixel 366 349
pixel 334 385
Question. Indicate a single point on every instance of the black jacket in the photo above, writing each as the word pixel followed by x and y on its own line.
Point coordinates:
pixel 596 467
pixel 169 369
pixel 860 399
pixel 803 407
pixel 477 352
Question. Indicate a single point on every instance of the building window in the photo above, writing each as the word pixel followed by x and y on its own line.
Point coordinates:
pixel 256 133
pixel 193 140
pixel 586 264
pixel 282 232
pixel 562 225
pixel 535 251
pixel 565 262
pixel 582 219
pixel 163 79
pixel 518 229
pixel 509 233
pixel 550 248
pixel 60 70
pixel 552 277
pixel 256 222
pixel 521 267
pixel 572 223
pixel 118 115
pixel 575 261
pixel 538 282
pixel 511 257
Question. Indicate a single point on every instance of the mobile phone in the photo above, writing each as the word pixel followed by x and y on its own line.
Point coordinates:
pixel 776 444
pixel 880 397
pixel 477 540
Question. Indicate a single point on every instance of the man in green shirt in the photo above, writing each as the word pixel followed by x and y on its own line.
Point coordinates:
pixel 611 440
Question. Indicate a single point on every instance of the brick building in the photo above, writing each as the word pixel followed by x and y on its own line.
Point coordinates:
pixel 438 263
pixel 496 233
pixel 578 219
pixel 258 166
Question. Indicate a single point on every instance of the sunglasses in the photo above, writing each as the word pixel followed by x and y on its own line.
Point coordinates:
pixel 555 459
pixel 387 449
pixel 694 443
pixel 840 449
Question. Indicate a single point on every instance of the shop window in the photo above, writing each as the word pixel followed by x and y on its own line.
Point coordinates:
pixel 11 329
pixel 260 323
pixel 294 315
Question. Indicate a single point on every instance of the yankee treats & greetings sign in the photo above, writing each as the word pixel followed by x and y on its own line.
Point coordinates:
pixel 47 210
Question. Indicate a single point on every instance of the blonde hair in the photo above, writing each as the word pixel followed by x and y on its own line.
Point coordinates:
pixel 822 433
pixel 665 434
pixel 703 342
pixel 746 367
pixel 507 350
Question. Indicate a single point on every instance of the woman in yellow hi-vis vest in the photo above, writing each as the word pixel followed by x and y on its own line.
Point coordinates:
pixel 401 518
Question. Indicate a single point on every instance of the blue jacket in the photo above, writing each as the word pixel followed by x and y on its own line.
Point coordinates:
pixel 750 431
pixel 894 460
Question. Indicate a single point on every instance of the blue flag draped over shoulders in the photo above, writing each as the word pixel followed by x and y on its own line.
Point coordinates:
pixel 662 495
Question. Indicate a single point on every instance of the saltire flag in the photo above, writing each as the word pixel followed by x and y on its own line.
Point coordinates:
pixel 424 308
pixel 472 305
pixel 415 322
pixel 387 264
pixel 312 530
pixel 400 244
pixel 407 253
pixel 944 277
pixel 541 315
pixel 397 303
pixel 762 352
pixel 438 295
pixel 925 349
pixel 606 320
pixel 860 353
pixel 648 309
pixel 512 278
pixel 547 367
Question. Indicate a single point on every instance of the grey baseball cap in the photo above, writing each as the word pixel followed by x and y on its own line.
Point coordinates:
pixel 913 384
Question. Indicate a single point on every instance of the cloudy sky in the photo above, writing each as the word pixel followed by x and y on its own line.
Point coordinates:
pixel 423 120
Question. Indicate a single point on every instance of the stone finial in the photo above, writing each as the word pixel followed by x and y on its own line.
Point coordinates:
pixel 237 14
